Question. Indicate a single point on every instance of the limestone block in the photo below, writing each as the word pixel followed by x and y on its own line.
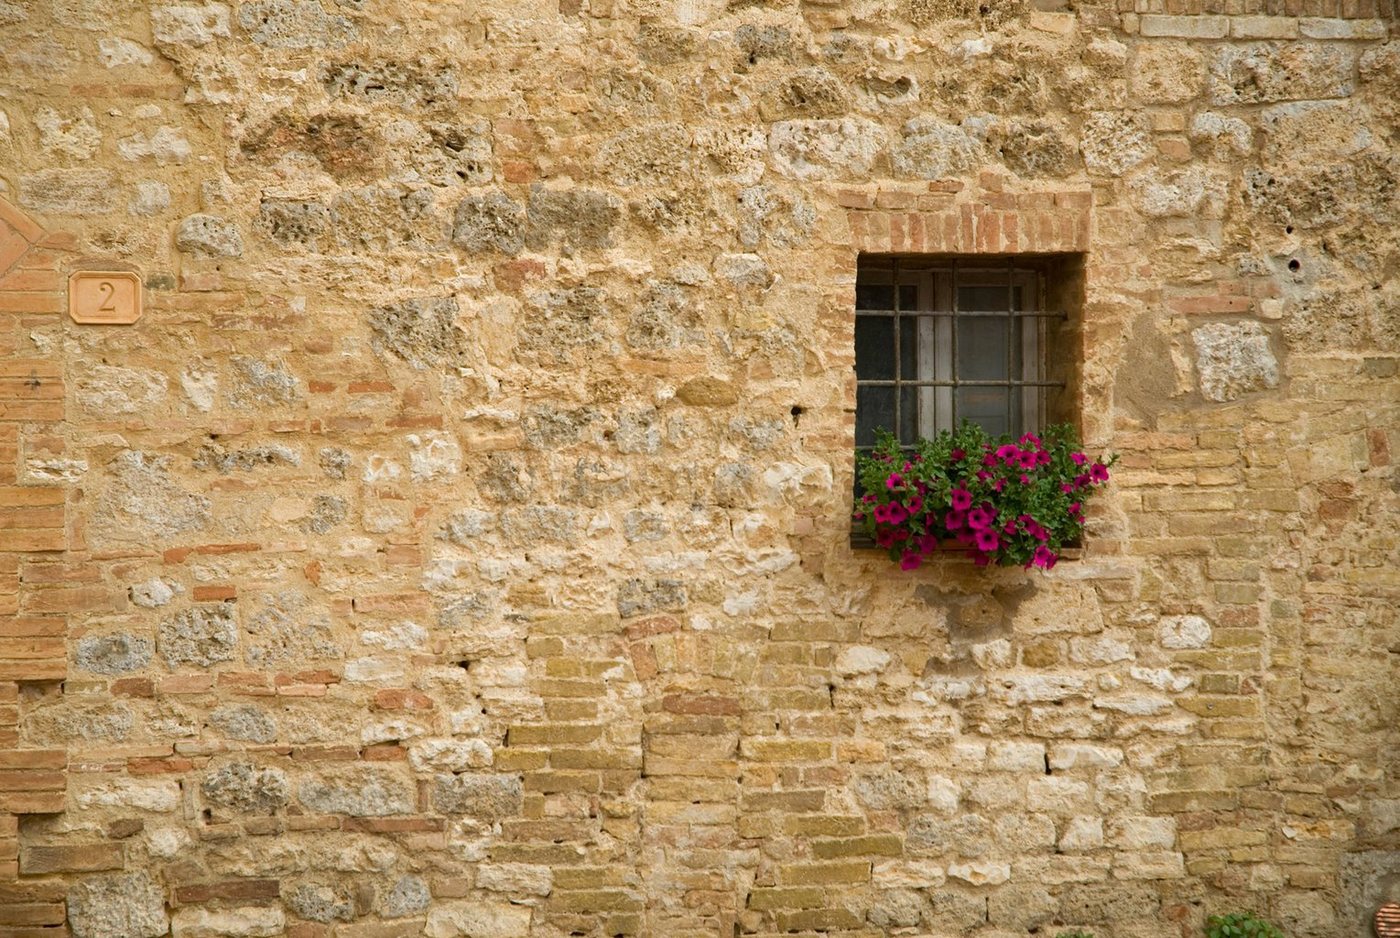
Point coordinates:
pixel 69 191
pixel 246 788
pixel 409 896
pixel 359 791
pixel 1167 72
pixel 1173 193
pixel 477 919
pixel 1260 73
pixel 240 922
pixel 293 24
pixel 164 145
pixel 422 331
pixel 120 653
pixel 201 635
pixel 209 236
pixel 318 902
pixel 151 593
pixel 116 51
pixel 112 389
pixel 1113 142
pixel 1227 135
pixel 1234 359
pixel 117 905
pixel 932 149
pixel 981 873
pixel 74 136
pixel 825 149
pixel 1177 632
pixel 862 659
pixel 481 796
pixel 190 25
pixel 244 721
pixel 515 878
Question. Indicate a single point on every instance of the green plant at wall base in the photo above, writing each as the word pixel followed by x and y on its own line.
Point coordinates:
pixel 1240 925
pixel 1004 501
pixel 1075 934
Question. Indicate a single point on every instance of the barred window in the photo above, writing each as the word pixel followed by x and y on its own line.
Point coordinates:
pixel 941 340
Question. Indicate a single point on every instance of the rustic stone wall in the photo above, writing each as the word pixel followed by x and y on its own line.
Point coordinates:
pixel 459 544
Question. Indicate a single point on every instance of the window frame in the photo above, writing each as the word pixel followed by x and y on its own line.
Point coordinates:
pixel 937 279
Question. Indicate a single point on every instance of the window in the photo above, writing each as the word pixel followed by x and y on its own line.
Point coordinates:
pixel 942 340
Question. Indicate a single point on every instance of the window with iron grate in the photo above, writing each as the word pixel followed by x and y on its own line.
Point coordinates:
pixel 940 340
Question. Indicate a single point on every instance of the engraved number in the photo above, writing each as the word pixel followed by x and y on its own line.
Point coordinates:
pixel 108 292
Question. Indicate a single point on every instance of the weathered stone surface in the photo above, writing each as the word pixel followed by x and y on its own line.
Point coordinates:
pixel 358 792
pixel 201 635
pixel 409 896
pixel 481 796
pixel 285 628
pixel 244 721
pixel 514 424
pixel 209 236
pixel 113 654
pixel 477 920
pixel 1113 143
pixel 490 222
pixel 1265 72
pixel 192 25
pixel 117 905
pixel 825 149
pixel 293 24
pixel 931 149
pixel 69 191
pixel 240 922
pixel 1233 360
pixel 247 788
pixel 318 902
pixel 422 331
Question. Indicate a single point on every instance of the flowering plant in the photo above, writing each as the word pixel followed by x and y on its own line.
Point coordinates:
pixel 1006 501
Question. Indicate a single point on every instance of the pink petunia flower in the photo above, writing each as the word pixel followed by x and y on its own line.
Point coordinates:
pixel 958 455
pixel 894 481
pixel 954 520
pixel 895 513
pixel 1026 459
pixel 910 560
pixel 1098 472
pixel 999 484
pixel 1025 479
pixel 1030 438
pixel 1042 458
pixel 960 499
pixel 881 514
pixel 915 505
pixel 987 541
pixel 1078 459
pixel 989 460
pixel 979 558
pixel 884 537
pixel 980 519
pixel 1008 452
pixel 1043 557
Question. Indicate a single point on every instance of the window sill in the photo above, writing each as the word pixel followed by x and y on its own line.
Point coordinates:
pixel 952 550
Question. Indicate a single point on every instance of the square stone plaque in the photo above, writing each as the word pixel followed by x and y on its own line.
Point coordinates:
pixel 107 297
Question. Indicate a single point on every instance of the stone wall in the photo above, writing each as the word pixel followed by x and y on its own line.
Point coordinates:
pixel 459 544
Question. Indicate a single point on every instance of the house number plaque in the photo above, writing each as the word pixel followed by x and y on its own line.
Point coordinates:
pixel 106 297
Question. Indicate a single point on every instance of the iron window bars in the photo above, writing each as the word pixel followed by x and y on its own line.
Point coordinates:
pixel 941 340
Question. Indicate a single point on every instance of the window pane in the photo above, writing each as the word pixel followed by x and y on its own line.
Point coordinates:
pixel 881 296
pixel 874 408
pixel 988 407
pixel 908 349
pixel 875 347
pixel 982 346
pixel 908 414
pixel 987 298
